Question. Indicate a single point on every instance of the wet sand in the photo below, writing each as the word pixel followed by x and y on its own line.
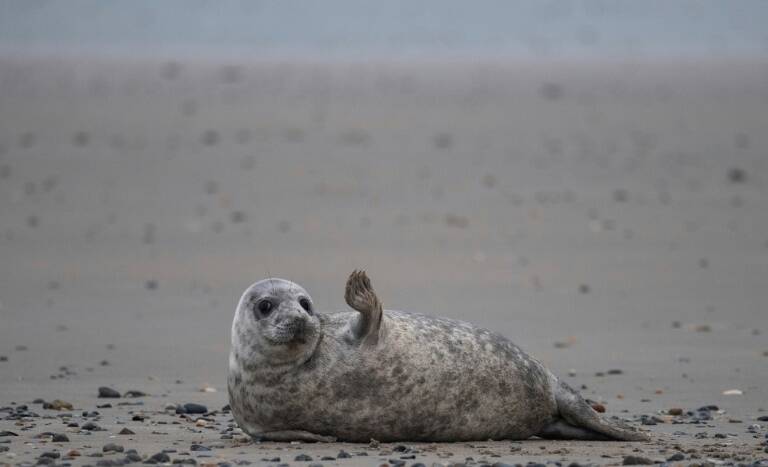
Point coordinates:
pixel 604 216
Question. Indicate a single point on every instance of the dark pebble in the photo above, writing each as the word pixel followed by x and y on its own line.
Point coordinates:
pixel 134 393
pixel 676 457
pixel 763 418
pixel 126 431
pixel 109 463
pixel 90 426
pixel 7 433
pixel 51 454
pixel 46 461
pixel 343 455
pixel 327 458
pixel 188 461
pixel 636 460
pixel 108 393
pixel 3 358
pixel 199 447
pixel 60 438
pixel 193 408
pixel 396 462
pixel 302 458
pixel 112 447
pixel 159 458
pixel 615 371
pixel 4 448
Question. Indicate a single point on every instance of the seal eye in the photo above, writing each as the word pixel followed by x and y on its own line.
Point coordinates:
pixel 306 305
pixel 265 307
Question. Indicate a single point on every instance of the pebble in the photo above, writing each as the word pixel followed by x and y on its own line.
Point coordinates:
pixel 676 411
pixel 112 447
pixel 343 455
pixel 636 460
pixel 134 393
pixel 159 458
pixel 676 457
pixel 58 404
pixel 302 458
pixel 199 447
pixel 126 431
pixel 108 393
pixel 59 438
pixel 90 426
pixel 192 408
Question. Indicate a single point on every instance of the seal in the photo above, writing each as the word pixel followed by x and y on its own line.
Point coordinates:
pixel 299 374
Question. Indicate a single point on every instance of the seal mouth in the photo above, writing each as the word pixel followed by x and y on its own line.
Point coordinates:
pixel 294 333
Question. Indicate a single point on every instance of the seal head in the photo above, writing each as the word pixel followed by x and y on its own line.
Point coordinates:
pixel 275 324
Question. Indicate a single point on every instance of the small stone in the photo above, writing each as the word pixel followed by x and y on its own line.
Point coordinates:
pixel 159 458
pixel 134 393
pixel 343 455
pixel 676 411
pixel 733 392
pixel 678 456
pixel 199 447
pixel 112 447
pixel 636 460
pixel 126 431
pixel 59 438
pixel 90 426
pixel 105 392
pixel 598 407
pixel 51 454
pixel 302 458
pixel 615 371
pixel 73 453
pixel 194 408
pixel 7 433
pixel 57 404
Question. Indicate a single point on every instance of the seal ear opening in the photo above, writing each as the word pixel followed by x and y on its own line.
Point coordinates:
pixel 360 296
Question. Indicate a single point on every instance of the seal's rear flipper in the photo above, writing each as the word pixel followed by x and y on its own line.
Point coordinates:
pixel 560 429
pixel 577 414
pixel 360 296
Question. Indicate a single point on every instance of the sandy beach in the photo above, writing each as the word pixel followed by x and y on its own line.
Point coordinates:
pixel 610 217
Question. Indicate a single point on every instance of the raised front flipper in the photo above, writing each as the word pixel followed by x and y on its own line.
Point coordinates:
pixel 360 295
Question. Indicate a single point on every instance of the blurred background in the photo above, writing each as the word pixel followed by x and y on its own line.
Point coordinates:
pixel 589 178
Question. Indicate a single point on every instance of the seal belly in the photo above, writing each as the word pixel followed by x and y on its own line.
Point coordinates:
pixel 426 379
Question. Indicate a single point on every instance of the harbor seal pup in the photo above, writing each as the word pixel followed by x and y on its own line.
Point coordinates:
pixel 299 374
